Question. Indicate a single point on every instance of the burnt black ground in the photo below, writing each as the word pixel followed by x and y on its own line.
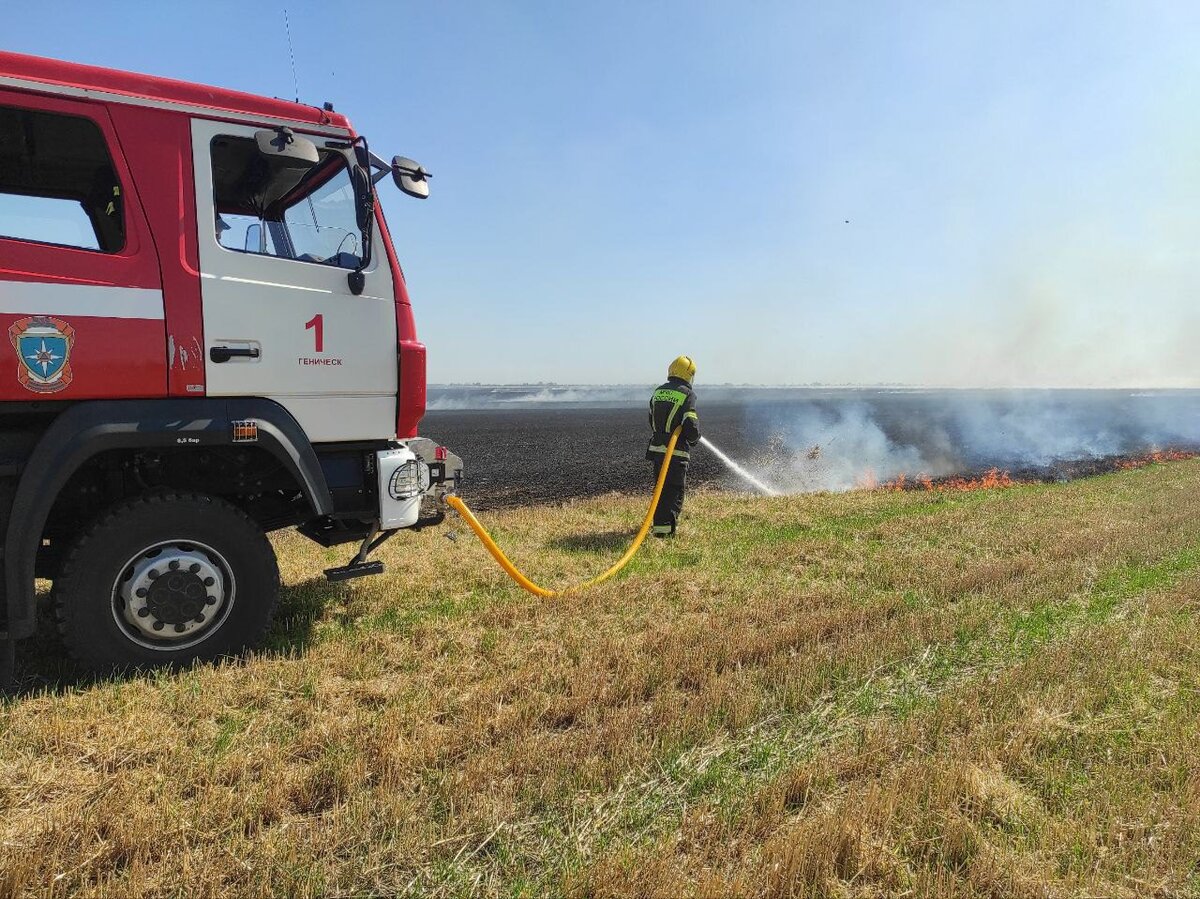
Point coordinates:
pixel 523 456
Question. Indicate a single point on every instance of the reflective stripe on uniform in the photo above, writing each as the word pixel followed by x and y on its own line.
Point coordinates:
pixel 661 529
pixel 668 396
pixel 692 415
pixel 681 454
pixel 677 398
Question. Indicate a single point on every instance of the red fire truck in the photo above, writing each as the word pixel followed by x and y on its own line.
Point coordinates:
pixel 208 337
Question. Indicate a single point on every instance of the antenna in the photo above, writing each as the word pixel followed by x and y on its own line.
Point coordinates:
pixel 287 27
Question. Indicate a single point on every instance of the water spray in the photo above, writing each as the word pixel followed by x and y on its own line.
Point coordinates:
pixel 737 469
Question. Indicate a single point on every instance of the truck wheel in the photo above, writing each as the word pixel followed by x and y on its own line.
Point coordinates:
pixel 166 579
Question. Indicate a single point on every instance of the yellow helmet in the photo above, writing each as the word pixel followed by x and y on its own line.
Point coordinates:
pixel 682 367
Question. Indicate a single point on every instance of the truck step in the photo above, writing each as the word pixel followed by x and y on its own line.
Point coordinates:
pixel 347 572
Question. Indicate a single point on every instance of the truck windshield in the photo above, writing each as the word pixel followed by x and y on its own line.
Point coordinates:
pixel 308 215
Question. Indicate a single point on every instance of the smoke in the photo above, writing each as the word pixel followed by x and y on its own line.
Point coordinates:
pixel 834 448
pixel 865 437
pixel 502 396
pixel 811 439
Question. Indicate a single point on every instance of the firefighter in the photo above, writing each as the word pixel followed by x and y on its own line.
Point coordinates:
pixel 673 405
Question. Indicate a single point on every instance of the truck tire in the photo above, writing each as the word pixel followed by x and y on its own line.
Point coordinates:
pixel 7 646
pixel 166 579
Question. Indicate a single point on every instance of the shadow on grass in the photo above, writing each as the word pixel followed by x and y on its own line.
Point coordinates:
pixel 300 607
pixel 606 541
pixel 44 666
pixel 42 663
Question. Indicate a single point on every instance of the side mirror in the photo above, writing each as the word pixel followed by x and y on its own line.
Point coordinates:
pixel 287 149
pixel 410 177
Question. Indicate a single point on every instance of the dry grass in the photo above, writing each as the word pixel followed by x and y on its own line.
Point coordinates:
pixel 858 695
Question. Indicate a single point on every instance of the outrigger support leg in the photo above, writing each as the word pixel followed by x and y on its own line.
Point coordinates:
pixel 359 566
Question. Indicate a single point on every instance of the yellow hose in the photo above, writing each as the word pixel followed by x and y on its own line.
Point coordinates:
pixel 515 573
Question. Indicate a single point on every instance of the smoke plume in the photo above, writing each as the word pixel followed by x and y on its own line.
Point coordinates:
pixel 834 442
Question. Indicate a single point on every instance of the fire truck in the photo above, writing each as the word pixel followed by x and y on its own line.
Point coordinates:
pixel 207 337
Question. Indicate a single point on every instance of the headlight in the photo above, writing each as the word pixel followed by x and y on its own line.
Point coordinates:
pixel 409 480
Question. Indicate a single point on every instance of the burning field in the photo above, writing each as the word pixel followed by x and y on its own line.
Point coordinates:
pixel 548 446
pixel 995 479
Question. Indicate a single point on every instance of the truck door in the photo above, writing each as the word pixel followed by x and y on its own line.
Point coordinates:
pixel 280 320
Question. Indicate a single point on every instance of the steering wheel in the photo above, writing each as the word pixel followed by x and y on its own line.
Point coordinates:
pixel 349 236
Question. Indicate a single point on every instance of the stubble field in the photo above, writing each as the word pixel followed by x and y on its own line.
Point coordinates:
pixel 993 693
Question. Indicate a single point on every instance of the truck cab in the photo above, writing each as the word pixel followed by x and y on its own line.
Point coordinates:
pixel 209 338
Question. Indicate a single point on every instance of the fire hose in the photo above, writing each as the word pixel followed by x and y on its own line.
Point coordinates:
pixel 515 573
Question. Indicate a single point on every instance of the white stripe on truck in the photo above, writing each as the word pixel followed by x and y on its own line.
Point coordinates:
pixel 40 298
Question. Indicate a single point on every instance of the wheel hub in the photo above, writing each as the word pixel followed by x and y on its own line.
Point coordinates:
pixel 177 597
pixel 172 594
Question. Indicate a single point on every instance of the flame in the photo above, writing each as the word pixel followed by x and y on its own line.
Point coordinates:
pixel 867 481
pixel 992 479
pixel 1153 458
pixel 995 479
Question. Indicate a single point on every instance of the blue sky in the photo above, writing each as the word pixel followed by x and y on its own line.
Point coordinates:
pixel 617 183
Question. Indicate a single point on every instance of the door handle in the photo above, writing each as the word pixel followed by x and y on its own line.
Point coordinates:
pixel 225 353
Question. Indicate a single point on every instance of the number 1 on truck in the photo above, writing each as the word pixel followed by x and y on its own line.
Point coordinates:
pixel 316 324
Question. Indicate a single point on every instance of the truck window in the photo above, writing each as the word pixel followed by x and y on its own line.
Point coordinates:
pixel 244 233
pixel 57 182
pixel 306 216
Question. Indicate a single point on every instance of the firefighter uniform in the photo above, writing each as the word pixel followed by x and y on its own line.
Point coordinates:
pixel 672 405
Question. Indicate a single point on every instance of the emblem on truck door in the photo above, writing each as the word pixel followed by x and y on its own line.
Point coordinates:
pixel 43 346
